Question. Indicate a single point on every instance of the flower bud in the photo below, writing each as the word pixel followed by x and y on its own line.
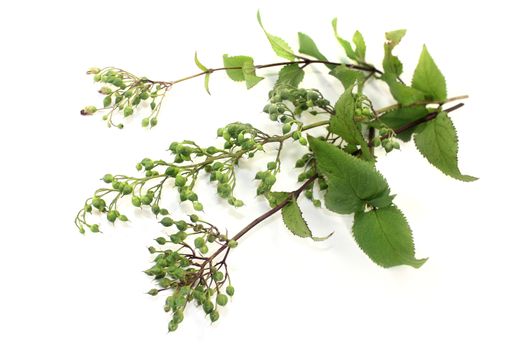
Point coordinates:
pixel 128 111
pixel 232 243
pixel 230 290
pixel 166 221
pixel 93 70
pixel 214 315
pixel 88 110
pixel 108 178
pixel 222 299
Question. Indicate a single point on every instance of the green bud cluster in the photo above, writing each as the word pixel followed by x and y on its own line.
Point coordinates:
pixel 287 102
pixel 181 269
pixel 124 92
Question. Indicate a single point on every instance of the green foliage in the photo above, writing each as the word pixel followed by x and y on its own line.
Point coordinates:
pixel 292 215
pixel 398 117
pixel 279 46
pixel 438 143
pixel 290 75
pixel 308 47
pixel 241 69
pixel 344 125
pixel 384 235
pixel 352 182
pixel 336 147
pixel 392 64
pixel 428 78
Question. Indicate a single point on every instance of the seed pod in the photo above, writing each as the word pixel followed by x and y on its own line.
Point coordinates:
pixel 199 242
pixel 108 178
pixel 230 290
pixel 181 225
pixel 218 276
pixel 286 128
pixel 180 180
pixel 197 206
pixel 232 243
pixel 166 221
pixel 128 111
pixel 153 292
pixel 136 201
pixel 94 228
pixel 112 215
pixel 214 315
pixel 221 299
pixel 160 240
pixel 207 306
pixel 271 165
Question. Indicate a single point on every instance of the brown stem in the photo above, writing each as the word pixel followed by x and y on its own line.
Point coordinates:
pixel 304 62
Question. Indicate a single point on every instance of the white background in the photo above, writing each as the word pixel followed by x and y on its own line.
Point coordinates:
pixel 62 290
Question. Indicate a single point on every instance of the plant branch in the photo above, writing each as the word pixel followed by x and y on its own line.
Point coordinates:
pixel 420 103
pixel 304 61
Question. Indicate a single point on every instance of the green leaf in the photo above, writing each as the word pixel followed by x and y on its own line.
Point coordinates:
pixel 242 69
pixel 291 75
pixel 292 215
pixel 438 143
pixel 279 46
pixel 402 116
pixel 207 83
pixel 249 74
pixel 392 64
pixel 344 125
pixel 403 94
pixel 346 76
pixel 360 46
pixel 384 235
pixel 350 53
pixel 428 78
pixel 199 64
pixel 352 182
pixel 236 63
pixel 308 47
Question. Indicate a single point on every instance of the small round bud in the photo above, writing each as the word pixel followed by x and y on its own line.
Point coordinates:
pixel 160 240
pixel 214 315
pixel 145 122
pixel 194 218
pixel 93 70
pixel 88 110
pixel 222 299
pixel 128 111
pixel 230 290
pixel 181 225
pixel 218 276
pixel 271 165
pixel 180 180
pixel 112 215
pixel 197 206
pixel 153 292
pixel 136 201
pixel 199 242
pixel 166 221
pixel 108 178
pixel 286 128
pixel 94 228
pixel 232 243
pixel 207 306
pixel 296 135
pixel 303 141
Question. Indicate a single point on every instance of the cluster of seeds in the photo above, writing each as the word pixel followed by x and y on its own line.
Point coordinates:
pixel 182 268
pixel 124 92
